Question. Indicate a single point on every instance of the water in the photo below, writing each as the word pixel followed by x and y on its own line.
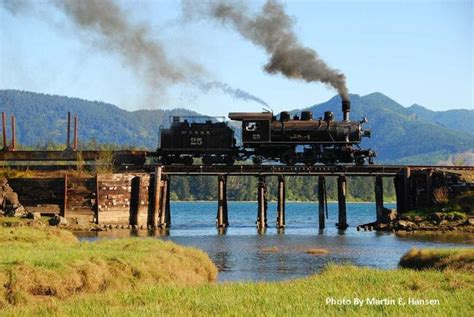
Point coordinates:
pixel 243 253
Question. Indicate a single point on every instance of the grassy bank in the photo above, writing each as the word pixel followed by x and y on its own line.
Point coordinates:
pixel 48 273
pixel 304 297
pixel 38 264
pixel 457 259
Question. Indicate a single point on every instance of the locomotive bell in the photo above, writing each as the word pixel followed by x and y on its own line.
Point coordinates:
pixel 328 116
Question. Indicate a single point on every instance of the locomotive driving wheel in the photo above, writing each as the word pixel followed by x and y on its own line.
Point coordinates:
pixel 289 157
pixel 257 160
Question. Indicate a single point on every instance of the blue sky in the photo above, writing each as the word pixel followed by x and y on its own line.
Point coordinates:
pixel 413 51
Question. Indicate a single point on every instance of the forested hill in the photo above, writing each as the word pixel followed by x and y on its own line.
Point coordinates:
pixel 410 135
pixel 405 135
pixel 42 119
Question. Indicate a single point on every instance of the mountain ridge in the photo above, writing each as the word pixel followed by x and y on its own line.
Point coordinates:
pixel 399 133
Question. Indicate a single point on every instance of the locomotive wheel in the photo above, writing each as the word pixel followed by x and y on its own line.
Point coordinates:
pixel 359 161
pixel 289 158
pixel 257 160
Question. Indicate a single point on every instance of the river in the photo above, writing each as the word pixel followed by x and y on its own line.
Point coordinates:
pixel 243 253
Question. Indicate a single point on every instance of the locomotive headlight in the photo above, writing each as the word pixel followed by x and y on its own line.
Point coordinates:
pixel 366 133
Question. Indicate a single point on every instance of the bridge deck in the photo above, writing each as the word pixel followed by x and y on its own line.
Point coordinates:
pixel 299 170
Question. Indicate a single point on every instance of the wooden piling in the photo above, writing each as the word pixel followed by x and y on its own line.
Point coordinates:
pixel 4 131
pixel 63 211
pixel 222 218
pixel 321 200
pixel 226 211
pixel 281 202
pixel 76 127
pixel 135 194
pixel 97 198
pixel 406 188
pixel 165 217
pixel 153 219
pixel 341 197
pixel 429 188
pixel 379 198
pixel 262 203
pixel 13 145
pixel 167 203
pixel 68 138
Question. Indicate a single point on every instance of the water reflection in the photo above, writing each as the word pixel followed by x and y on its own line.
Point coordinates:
pixel 242 252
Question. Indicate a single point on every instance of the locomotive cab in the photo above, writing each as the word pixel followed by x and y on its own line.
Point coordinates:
pixel 256 126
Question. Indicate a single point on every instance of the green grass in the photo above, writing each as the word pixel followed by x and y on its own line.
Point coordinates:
pixel 303 297
pixel 148 277
pixel 439 259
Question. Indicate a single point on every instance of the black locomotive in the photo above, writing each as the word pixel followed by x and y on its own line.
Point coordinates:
pixel 189 137
pixel 266 137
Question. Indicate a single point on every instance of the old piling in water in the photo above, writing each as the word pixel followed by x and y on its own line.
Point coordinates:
pixel 76 127
pixel 281 202
pixel 322 201
pixel 406 189
pixel 379 198
pixel 262 203
pixel 13 145
pixel 4 131
pixel 165 213
pixel 402 189
pixel 153 219
pixel 341 197
pixel 222 213
pixel 68 137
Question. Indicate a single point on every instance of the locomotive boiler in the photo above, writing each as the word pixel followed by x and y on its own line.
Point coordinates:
pixel 301 139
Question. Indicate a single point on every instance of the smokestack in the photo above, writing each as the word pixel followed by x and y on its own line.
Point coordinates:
pixel 13 145
pixel 68 139
pixel 76 123
pixel 4 130
pixel 346 108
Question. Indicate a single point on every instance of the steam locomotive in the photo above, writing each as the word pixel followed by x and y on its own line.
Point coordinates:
pixel 266 137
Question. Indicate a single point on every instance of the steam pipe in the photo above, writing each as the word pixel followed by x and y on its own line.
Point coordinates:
pixel 346 108
pixel 68 141
pixel 13 145
pixel 76 123
pixel 4 130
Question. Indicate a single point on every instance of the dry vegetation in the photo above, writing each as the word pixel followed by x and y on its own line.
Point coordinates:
pixel 39 264
pixel 456 259
pixel 314 251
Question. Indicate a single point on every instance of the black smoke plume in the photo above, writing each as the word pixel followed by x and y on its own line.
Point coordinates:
pixel 271 29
